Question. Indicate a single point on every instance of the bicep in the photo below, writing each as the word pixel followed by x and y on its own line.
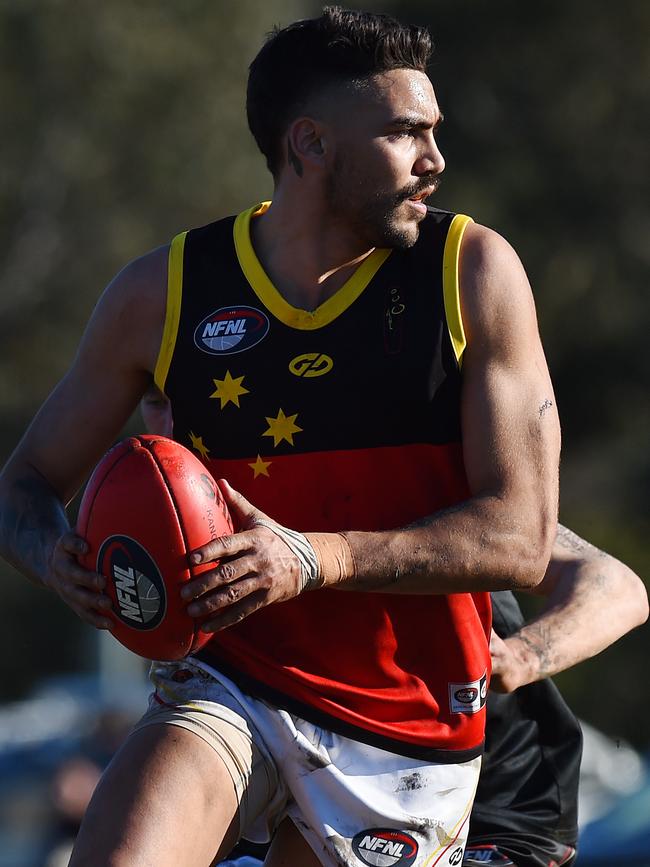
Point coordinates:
pixel 509 418
pixel 77 423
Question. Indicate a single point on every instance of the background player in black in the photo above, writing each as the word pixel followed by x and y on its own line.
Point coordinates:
pixel 525 808
pixel 525 811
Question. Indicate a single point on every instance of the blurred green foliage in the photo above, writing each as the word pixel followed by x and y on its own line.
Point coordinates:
pixel 124 122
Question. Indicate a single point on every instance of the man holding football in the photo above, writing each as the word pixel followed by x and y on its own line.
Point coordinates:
pixel 367 374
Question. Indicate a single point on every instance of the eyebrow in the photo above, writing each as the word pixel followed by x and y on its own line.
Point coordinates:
pixel 416 121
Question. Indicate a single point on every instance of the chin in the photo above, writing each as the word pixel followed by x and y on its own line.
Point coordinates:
pixel 400 235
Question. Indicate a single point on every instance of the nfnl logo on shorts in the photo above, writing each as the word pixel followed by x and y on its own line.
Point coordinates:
pixel 468 697
pixel 138 584
pixel 487 853
pixel 230 330
pixel 383 847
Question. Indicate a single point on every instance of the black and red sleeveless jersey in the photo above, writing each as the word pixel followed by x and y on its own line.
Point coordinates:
pixel 344 418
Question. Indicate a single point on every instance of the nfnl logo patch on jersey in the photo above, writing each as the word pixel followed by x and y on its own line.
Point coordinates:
pixel 136 580
pixel 468 697
pixel 383 847
pixel 230 330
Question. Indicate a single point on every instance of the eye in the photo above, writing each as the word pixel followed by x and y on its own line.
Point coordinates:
pixel 402 134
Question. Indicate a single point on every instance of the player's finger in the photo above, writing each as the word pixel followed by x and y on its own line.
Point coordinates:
pixel 79 597
pixel 83 577
pixel 73 544
pixel 95 619
pixel 225 575
pixel 67 568
pixel 496 643
pixel 224 597
pixel 226 546
pixel 89 615
pixel 235 612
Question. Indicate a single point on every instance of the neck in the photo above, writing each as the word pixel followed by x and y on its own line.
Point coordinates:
pixel 308 257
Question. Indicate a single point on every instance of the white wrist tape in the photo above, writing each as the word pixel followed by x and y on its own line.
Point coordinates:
pixel 302 548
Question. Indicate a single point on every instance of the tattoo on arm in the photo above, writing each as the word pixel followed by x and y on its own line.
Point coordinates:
pixel 538 640
pixel 545 406
pixel 294 162
pixel 574 543
pixel 30 524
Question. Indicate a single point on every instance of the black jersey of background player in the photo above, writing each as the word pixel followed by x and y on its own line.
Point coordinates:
pixel 529 778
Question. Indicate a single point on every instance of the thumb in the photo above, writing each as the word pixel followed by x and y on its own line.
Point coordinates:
pixel 496 643
pixel 244 514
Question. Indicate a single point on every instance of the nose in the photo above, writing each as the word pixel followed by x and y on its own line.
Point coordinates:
pixel 429 161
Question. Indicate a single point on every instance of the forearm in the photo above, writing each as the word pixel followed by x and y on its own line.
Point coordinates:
pixel 32 519
pixel 594 602
pixel 484 543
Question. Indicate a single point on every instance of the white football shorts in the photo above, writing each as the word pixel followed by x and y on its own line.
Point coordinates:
pixel 354 804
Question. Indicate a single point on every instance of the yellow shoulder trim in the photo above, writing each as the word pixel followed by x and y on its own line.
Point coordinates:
pixel 450 285
pixel 294 317
pixel 173 311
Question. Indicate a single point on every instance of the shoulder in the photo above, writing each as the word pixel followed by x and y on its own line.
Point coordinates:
pixel 131 310
pixel 142 281
pixel 494 288
pixel 488 262
pixel 481 244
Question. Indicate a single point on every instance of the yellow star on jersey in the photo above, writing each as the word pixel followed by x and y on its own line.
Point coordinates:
pixel 282 428
pixel 260 467
pixel 229 389
pixel 198 445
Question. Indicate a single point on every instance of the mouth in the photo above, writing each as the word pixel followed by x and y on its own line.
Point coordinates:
pixel 418 201
pixel 424 194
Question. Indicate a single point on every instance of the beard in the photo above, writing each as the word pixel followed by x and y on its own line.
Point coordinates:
pixel 378 216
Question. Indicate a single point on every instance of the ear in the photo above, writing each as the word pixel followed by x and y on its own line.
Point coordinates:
pixel 307 139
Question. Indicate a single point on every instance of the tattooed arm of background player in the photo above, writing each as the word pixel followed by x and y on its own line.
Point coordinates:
pixel 592 599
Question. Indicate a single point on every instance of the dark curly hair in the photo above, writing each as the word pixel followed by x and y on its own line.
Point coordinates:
pixel 309 56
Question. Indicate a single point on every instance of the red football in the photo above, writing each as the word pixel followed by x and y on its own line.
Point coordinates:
pixel 149 503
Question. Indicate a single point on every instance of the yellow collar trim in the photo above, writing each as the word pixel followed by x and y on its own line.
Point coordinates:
pixel 294 317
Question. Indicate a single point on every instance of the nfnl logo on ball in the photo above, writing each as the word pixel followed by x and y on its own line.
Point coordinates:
pixel 137 582
pixel 230 330
pixel 384 847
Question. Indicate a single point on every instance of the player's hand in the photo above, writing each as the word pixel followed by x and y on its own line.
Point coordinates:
pixel 256 568
pixel 511 664
pixel 79 588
